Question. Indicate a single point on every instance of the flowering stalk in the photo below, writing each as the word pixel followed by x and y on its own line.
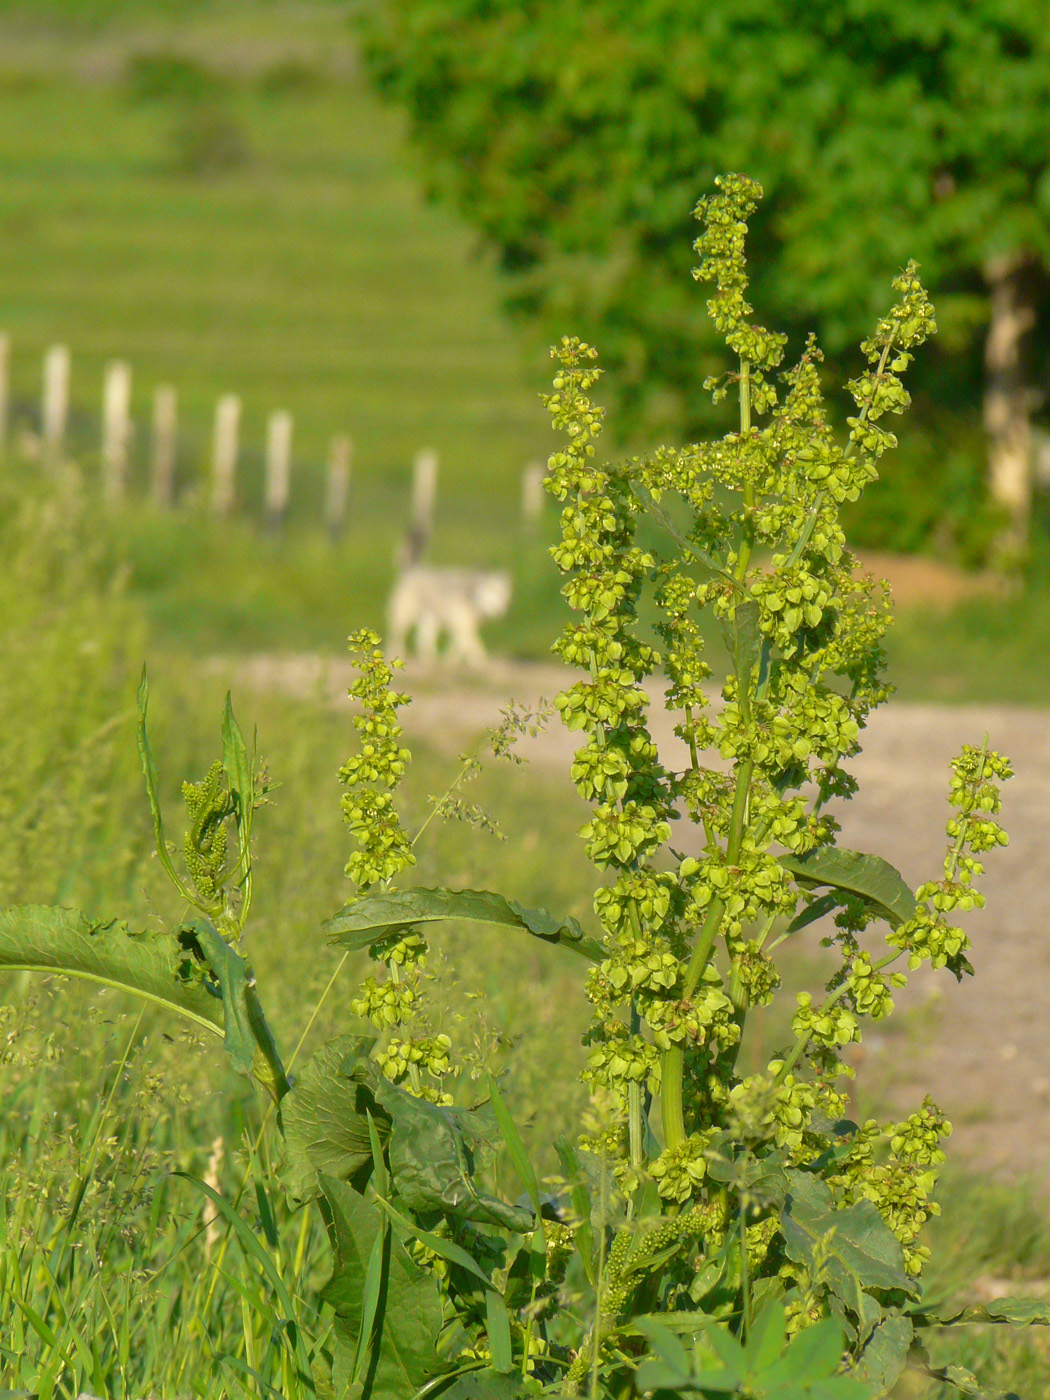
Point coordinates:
pixel 763 553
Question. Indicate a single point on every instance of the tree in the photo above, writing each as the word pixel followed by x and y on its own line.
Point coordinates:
pixel 577 134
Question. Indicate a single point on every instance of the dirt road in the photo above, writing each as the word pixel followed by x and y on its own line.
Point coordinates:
pixel 981 1048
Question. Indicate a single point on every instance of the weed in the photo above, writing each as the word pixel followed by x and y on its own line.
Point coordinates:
pixel 711 1232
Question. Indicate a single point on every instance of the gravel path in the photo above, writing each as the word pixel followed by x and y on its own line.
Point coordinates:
pixel 982 1047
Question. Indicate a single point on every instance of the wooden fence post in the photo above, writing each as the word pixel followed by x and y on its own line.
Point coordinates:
pixel 55 406
pixel 5 388
pixel 532 494
pixel 116 430
pixel 278 468
pixel 165 425
pixel 340 454
pixel 224 453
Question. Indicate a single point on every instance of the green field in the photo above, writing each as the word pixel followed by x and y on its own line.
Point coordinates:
pixel 309 275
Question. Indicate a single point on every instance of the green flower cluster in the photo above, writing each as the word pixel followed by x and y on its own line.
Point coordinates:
pixel 689 937
pixel 395 1002
pixel 895 1167
pixel 209 806
pixel 372 775
pixel 972 831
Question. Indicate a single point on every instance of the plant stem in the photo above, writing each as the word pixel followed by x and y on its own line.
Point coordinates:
pixel 671 1114
pixel 745 1281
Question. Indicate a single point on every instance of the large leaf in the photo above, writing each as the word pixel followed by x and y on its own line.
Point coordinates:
pixel 1015 1312
pixel 374 916
pixel 862 1251
pixel 743 641
pixel 408 1315
pixel 248 1038
pixel 883 1359
pixel 325 1118
pixel 432 1159
pixel 189 970
pixel 165 967
pixel 871 877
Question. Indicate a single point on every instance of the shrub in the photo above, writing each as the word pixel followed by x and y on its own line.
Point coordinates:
pixel 164 76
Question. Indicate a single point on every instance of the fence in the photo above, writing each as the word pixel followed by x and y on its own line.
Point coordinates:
pixel 115 435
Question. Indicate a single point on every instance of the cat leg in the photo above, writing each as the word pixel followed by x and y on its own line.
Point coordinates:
pixel 427 630
pixel 397 626
pixel 467 645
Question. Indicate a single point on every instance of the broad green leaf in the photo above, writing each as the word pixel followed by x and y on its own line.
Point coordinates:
pixel 967 1383
pixel 374 916
pixel 871 877
pixel 572 1170
pixel 408 1313
pixel 325 1118
pixel 432 1159
pixel 863 1252
pixel 812 1354
pixel 766 1339
pixel 1016 1312
pixel 189 970
pixel 167 967
pixel 663 1341
pixel 235 763
pixel 248 1038
pixel 497 1325
pixel 729 1352
pixel 743 640
pixel 239 770
pixel 446 1249
pixel 883 1359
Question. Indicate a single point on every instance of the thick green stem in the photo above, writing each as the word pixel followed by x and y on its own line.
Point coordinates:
pixel 671 1112
pixel 672 1116
pixel 747 543
pixel 741 802
pixel 635 1117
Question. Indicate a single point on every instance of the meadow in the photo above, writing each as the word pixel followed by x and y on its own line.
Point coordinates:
pixel 306 272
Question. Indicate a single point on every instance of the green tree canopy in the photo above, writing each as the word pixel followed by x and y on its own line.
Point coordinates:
pixel 576 136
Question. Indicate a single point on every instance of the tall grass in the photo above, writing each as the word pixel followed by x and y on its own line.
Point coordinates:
pixel 117 1276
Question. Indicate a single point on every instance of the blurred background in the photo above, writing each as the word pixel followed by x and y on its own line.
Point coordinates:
pixel 269 272
pixel 375 218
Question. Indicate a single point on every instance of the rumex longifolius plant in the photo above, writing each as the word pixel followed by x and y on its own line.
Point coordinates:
pixel 712 1232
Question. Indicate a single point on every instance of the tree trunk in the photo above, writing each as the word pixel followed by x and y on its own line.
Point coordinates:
pixel 1006 401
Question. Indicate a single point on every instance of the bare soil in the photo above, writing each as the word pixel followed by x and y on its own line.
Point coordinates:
pixel 980 1048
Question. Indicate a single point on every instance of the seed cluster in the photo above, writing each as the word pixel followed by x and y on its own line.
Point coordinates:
pixel 762 553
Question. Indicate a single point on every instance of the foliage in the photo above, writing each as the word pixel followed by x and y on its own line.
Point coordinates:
pixel 572 135
pixel 746 1238
pixel 67 627
pixel 161 75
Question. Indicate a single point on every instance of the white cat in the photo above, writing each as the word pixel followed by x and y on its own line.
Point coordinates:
pixel 431 601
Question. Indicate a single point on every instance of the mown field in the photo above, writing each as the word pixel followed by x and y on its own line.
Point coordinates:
pixel 309 273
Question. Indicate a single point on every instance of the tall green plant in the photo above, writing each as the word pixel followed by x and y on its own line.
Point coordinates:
pixel 712 1232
